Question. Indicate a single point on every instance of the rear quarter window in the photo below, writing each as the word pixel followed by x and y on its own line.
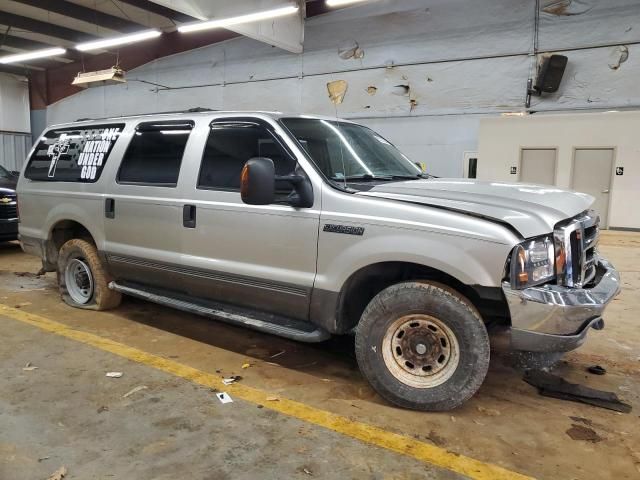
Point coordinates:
pixel 73 154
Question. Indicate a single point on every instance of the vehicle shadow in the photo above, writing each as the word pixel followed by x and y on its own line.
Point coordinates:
pixel 334 357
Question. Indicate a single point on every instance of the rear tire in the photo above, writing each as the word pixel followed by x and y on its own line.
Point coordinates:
pixel 423 346
pixel 82 278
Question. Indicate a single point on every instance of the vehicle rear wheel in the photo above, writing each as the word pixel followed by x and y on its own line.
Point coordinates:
pixel 82 278
pixel 422 346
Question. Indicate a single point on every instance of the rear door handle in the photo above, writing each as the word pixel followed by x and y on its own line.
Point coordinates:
pixel 189 216
pixel 110 208
pixel 605 191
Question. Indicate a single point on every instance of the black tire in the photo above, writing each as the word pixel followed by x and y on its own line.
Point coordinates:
pixel 100 296
pixel 452 311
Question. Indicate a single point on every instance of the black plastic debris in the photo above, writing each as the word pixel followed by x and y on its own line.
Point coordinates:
pixel 550 385
pixel 597 370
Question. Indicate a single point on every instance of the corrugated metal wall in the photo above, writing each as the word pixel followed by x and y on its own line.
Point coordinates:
pixel 14 148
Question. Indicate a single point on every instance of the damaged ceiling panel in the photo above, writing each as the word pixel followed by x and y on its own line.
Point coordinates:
pixel 402 91
pixel 417 31
pixel 588 23
pixel 590 82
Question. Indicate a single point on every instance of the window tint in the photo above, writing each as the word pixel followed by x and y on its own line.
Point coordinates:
pixel 73 154
pixel 155 154
pixel 228 148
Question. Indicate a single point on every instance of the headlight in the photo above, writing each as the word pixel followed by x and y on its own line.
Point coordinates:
pixel 533 262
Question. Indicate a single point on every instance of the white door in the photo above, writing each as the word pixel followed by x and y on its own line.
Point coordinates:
pixel 538 165
pixel 592 169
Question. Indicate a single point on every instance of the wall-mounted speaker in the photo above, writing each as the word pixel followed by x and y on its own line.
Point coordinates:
pixel 549 77
pixel 550 73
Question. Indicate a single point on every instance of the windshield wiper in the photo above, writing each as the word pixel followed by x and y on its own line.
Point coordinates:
pixel 366 177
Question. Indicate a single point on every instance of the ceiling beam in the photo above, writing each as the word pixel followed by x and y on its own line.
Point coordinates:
pixel 44 28
pixel 160 10
pixel 89 15
pixel 285 32
pixel 17 69
pixel 28 45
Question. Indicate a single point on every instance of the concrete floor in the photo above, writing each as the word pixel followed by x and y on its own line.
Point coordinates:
pixel 69 411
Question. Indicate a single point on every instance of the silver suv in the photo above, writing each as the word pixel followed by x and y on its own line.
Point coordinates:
pixel 307 227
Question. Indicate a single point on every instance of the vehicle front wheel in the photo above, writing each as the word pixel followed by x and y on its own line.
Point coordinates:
pixel 82 279
pixel 422 345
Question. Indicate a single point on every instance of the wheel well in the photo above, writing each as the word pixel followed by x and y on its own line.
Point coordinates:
pixel 367 282
pixel 62 232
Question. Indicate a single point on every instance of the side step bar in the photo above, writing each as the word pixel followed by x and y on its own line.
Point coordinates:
pixel 273 324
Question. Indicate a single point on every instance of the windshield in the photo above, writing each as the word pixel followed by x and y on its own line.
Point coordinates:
pixel 345 151
pixel 4 173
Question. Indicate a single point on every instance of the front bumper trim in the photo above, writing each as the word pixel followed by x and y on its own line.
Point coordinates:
pixel 555 318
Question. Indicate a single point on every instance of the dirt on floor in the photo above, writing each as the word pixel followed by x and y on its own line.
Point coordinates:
pixel 507 423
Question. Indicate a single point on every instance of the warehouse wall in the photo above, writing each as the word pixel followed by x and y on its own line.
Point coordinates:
pixel 15 127
pixel 422 72
pixel 502 138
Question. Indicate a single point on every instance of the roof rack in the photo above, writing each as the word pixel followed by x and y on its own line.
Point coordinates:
pixel 189 110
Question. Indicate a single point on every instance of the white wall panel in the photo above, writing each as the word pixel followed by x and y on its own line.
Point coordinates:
pixel 586 23
pixel 14 103
pixel 13 150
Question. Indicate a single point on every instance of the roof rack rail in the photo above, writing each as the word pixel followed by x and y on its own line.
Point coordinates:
pixel 189 110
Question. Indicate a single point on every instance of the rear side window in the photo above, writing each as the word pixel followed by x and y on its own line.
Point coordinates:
pixel 73 154
pixel 155 154
pixel 230 145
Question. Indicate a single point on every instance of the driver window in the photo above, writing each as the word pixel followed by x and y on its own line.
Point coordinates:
pixel 230 145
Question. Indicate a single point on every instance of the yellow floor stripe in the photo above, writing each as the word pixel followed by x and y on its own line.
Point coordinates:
pixel 367 433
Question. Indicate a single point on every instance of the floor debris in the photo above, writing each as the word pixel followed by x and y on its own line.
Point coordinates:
pixel 245 366
pixel 272 399
pixel 58 474
pixel 597 370
pixel 29 367
pixel 550 385
pixel 578 432
pixel 276 355
pixel 114 374
pixel 489 411
pixel 231 380
pixel 102 409
pixel 135 390
pixel 224 397
pixel 307 471
pixel 42 459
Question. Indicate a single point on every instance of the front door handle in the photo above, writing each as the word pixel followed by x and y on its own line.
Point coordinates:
pixel 109 208
pixel 189 216
pixel 605 191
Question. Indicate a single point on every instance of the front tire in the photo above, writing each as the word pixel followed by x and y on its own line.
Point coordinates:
pixel 82 278
pixel 423 346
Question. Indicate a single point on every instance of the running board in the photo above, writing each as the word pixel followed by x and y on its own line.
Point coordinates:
pixel 263 322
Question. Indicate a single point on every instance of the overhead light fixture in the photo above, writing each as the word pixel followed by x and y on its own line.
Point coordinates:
pixel 110 76
pixel 340 3
pixel 112 42
pixel 228 22
pixel 23 57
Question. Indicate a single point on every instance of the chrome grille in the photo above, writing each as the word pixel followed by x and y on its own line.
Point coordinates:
pixel 576 255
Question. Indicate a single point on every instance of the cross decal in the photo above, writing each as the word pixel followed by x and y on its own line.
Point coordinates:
pixel 56 150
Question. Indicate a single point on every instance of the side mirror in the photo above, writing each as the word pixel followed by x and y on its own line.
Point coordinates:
pixel 258 181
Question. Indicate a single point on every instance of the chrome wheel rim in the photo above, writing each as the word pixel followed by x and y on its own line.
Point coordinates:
pixel 79 281
pixel 420 351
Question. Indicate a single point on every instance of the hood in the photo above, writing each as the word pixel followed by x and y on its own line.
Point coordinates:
pixel 531 209
pixel 8 185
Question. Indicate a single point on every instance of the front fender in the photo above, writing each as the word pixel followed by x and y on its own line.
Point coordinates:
pixel 471 261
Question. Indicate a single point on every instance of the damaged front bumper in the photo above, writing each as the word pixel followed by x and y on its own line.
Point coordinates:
pixel 552 318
